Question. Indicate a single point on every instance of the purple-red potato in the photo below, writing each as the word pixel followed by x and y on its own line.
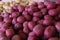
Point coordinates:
pixel 40 22
pixel 1 24
pixel 59 15
pixel 57 25
pixel 5 26
pixel 9 33
pixel 52 12
pixel 50 31
pixel 54 38
pixel 37 14
pixel 58 2
pixel 32 34
pixel 14 20
pixel 20 8
pixel 38 30
pixel 25 24
pixel 44 11
pixel 47 22
pixel 41 5
pixel 35 19
pixel 16 37
pixel 25 13
pixel 26 30
pixel 15 8
pixel 32 38
pixel 27 17
pixel 4 38
pixel 31 25
pixel 1 18
pixel 58 9
pixel 7 20
pixel 47 17
pixel 23 36
pixel 51 5
pixel 2 34
pixel 15 14
pixel 17 26
pixel 20 19
pixel 46 3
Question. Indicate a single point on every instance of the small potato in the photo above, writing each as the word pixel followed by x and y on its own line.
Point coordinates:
pixel 58 2
pixel 20 19
pixel 4 38
pixel 14 21
pixel 53 38
pixel 57 25
pixel 20 8
pixel 9 33
pixel 31 25
pixel 32 38
pixel 7 20
pixel 52 12
pixel 50 31
pixel 26 30
pixel 40 22
pixel 41 5
pixel 38 30
pixel 17 26
pixel 48 17
pixel 16 37
pixel 35 19
pixel 27 17
pixel 15 14
pixel 37 14
pixel 25 13
pixel 47 22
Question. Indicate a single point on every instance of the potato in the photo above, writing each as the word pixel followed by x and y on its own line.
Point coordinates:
pixel 31 25
pixel 20 19
pixel 38 30
pixel 53 38
pixel 14 20
pixel 16 37
pixel 50 31
pixel 9 33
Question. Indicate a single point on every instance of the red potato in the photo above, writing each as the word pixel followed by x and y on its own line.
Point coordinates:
pixel 27 17
pixel 38 30
pixel 17 26
pixel 24 13
pixel 7 20
pixel 32 38
pixel 20 8
pixel 44 11
pixel 32 34
pixel 9 33
pixel 35 19
pixel 20 19
pixel 41 5
pixel 23 36
pixel 14 20
pixel 57 25
pixel 16 37
pixel 53 38
pixel 50 31
pixel 1 23
pixel 37 14
pixel 25 24
pixel 26 30
pixel 58 2
pixel 48 17
pixel 52 12
pixel 40 22
pixel 46 3
pixel 47 22
pixel 4 38
pixel 51 5
pixel 15 14
pixel 31 25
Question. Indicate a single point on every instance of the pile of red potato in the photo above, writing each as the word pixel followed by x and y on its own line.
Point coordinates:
pixel 39 21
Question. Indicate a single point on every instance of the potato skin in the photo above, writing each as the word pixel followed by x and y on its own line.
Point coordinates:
pixel 50 31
